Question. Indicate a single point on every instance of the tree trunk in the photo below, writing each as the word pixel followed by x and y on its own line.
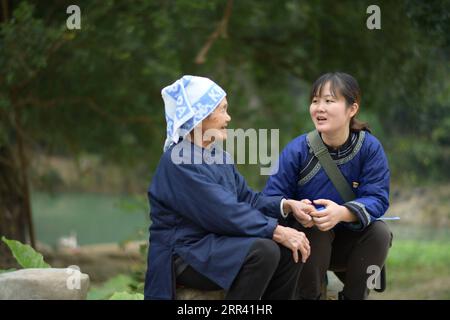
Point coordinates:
pixel 12 209
pixel 15 205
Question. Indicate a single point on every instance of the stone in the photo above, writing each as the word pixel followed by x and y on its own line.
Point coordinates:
pixel 334 286
pixel 44 284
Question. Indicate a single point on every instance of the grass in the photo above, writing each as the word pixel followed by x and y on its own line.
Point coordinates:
pixel 118 283
pixel 420 254
pixel 417 269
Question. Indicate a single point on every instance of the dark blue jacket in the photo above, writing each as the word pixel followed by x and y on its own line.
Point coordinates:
pixel 361 160
pixel 207 215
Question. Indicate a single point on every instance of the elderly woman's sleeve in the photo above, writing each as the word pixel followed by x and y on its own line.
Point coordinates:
pixel 372 194
pixel 194 194
pixel 269 205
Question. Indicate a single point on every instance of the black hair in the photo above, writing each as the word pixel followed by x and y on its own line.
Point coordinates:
pixel 345 85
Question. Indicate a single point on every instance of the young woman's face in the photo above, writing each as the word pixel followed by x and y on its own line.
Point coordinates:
pixel 330 114
pixel 216 124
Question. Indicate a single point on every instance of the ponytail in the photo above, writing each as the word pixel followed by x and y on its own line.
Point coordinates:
pixel 356 125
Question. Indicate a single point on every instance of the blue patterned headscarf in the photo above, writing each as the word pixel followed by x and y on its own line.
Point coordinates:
pixel 187 102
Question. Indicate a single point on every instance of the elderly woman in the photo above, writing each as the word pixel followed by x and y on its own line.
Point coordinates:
pixel 209 229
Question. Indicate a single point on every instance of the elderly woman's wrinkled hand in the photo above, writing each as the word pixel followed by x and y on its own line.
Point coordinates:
pixel 301 211
pixel 294 240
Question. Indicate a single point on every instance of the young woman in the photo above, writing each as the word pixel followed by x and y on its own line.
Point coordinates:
pixel 346 237
pixel 209 229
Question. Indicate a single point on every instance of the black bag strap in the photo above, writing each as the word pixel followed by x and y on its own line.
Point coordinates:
pixel 330 167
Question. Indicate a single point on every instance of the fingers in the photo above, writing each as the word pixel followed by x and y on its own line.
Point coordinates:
pixel 320 220
pixel 302 217
pixel 324 226
pixel 300 206
pixel 305 239
pixel 295 254
pixel 300 238
pixel 306 201
pixel 297 241
pixel 302 212
pixel 323 202
pixel 304 205
pixel 308 207
pixel 300 243
pixel 303 253
pixel 305 250
pixel 308 224
pixel 319 214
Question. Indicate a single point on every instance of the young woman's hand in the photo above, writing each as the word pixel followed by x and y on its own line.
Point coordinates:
pixel 294 240
pixel 300 210
pixel 333 213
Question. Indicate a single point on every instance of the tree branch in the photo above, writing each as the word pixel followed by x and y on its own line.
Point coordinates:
pixel 55 46
pixel 136 119
pixel 90 102
pixel 220 30
pixel 5 10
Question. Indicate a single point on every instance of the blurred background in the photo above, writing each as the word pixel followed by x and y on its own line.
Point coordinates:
pixel 82 119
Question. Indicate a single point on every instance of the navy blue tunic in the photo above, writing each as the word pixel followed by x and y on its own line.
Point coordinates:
pixel 206 214
pixel 361 160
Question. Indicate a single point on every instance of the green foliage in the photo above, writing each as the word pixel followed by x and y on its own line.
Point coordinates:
pixel 7 270
pixel 119 283
pixel 21 60
pixel 419 254
pixel 25 255
pixel 97 90
pixel 127 296
pixel 415 159
pixel 418 269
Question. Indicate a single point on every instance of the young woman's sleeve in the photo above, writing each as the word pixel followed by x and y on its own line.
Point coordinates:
pixel 269 205
pixel 283 181
pixel 194 194
pixel 372 194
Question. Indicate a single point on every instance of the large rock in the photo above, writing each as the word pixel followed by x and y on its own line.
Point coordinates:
pixel 44 284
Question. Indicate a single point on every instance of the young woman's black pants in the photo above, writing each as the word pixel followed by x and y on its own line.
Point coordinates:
pixel 349 253
pixel 268 272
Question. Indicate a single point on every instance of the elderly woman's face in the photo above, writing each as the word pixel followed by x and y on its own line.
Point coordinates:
pixel 214 127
